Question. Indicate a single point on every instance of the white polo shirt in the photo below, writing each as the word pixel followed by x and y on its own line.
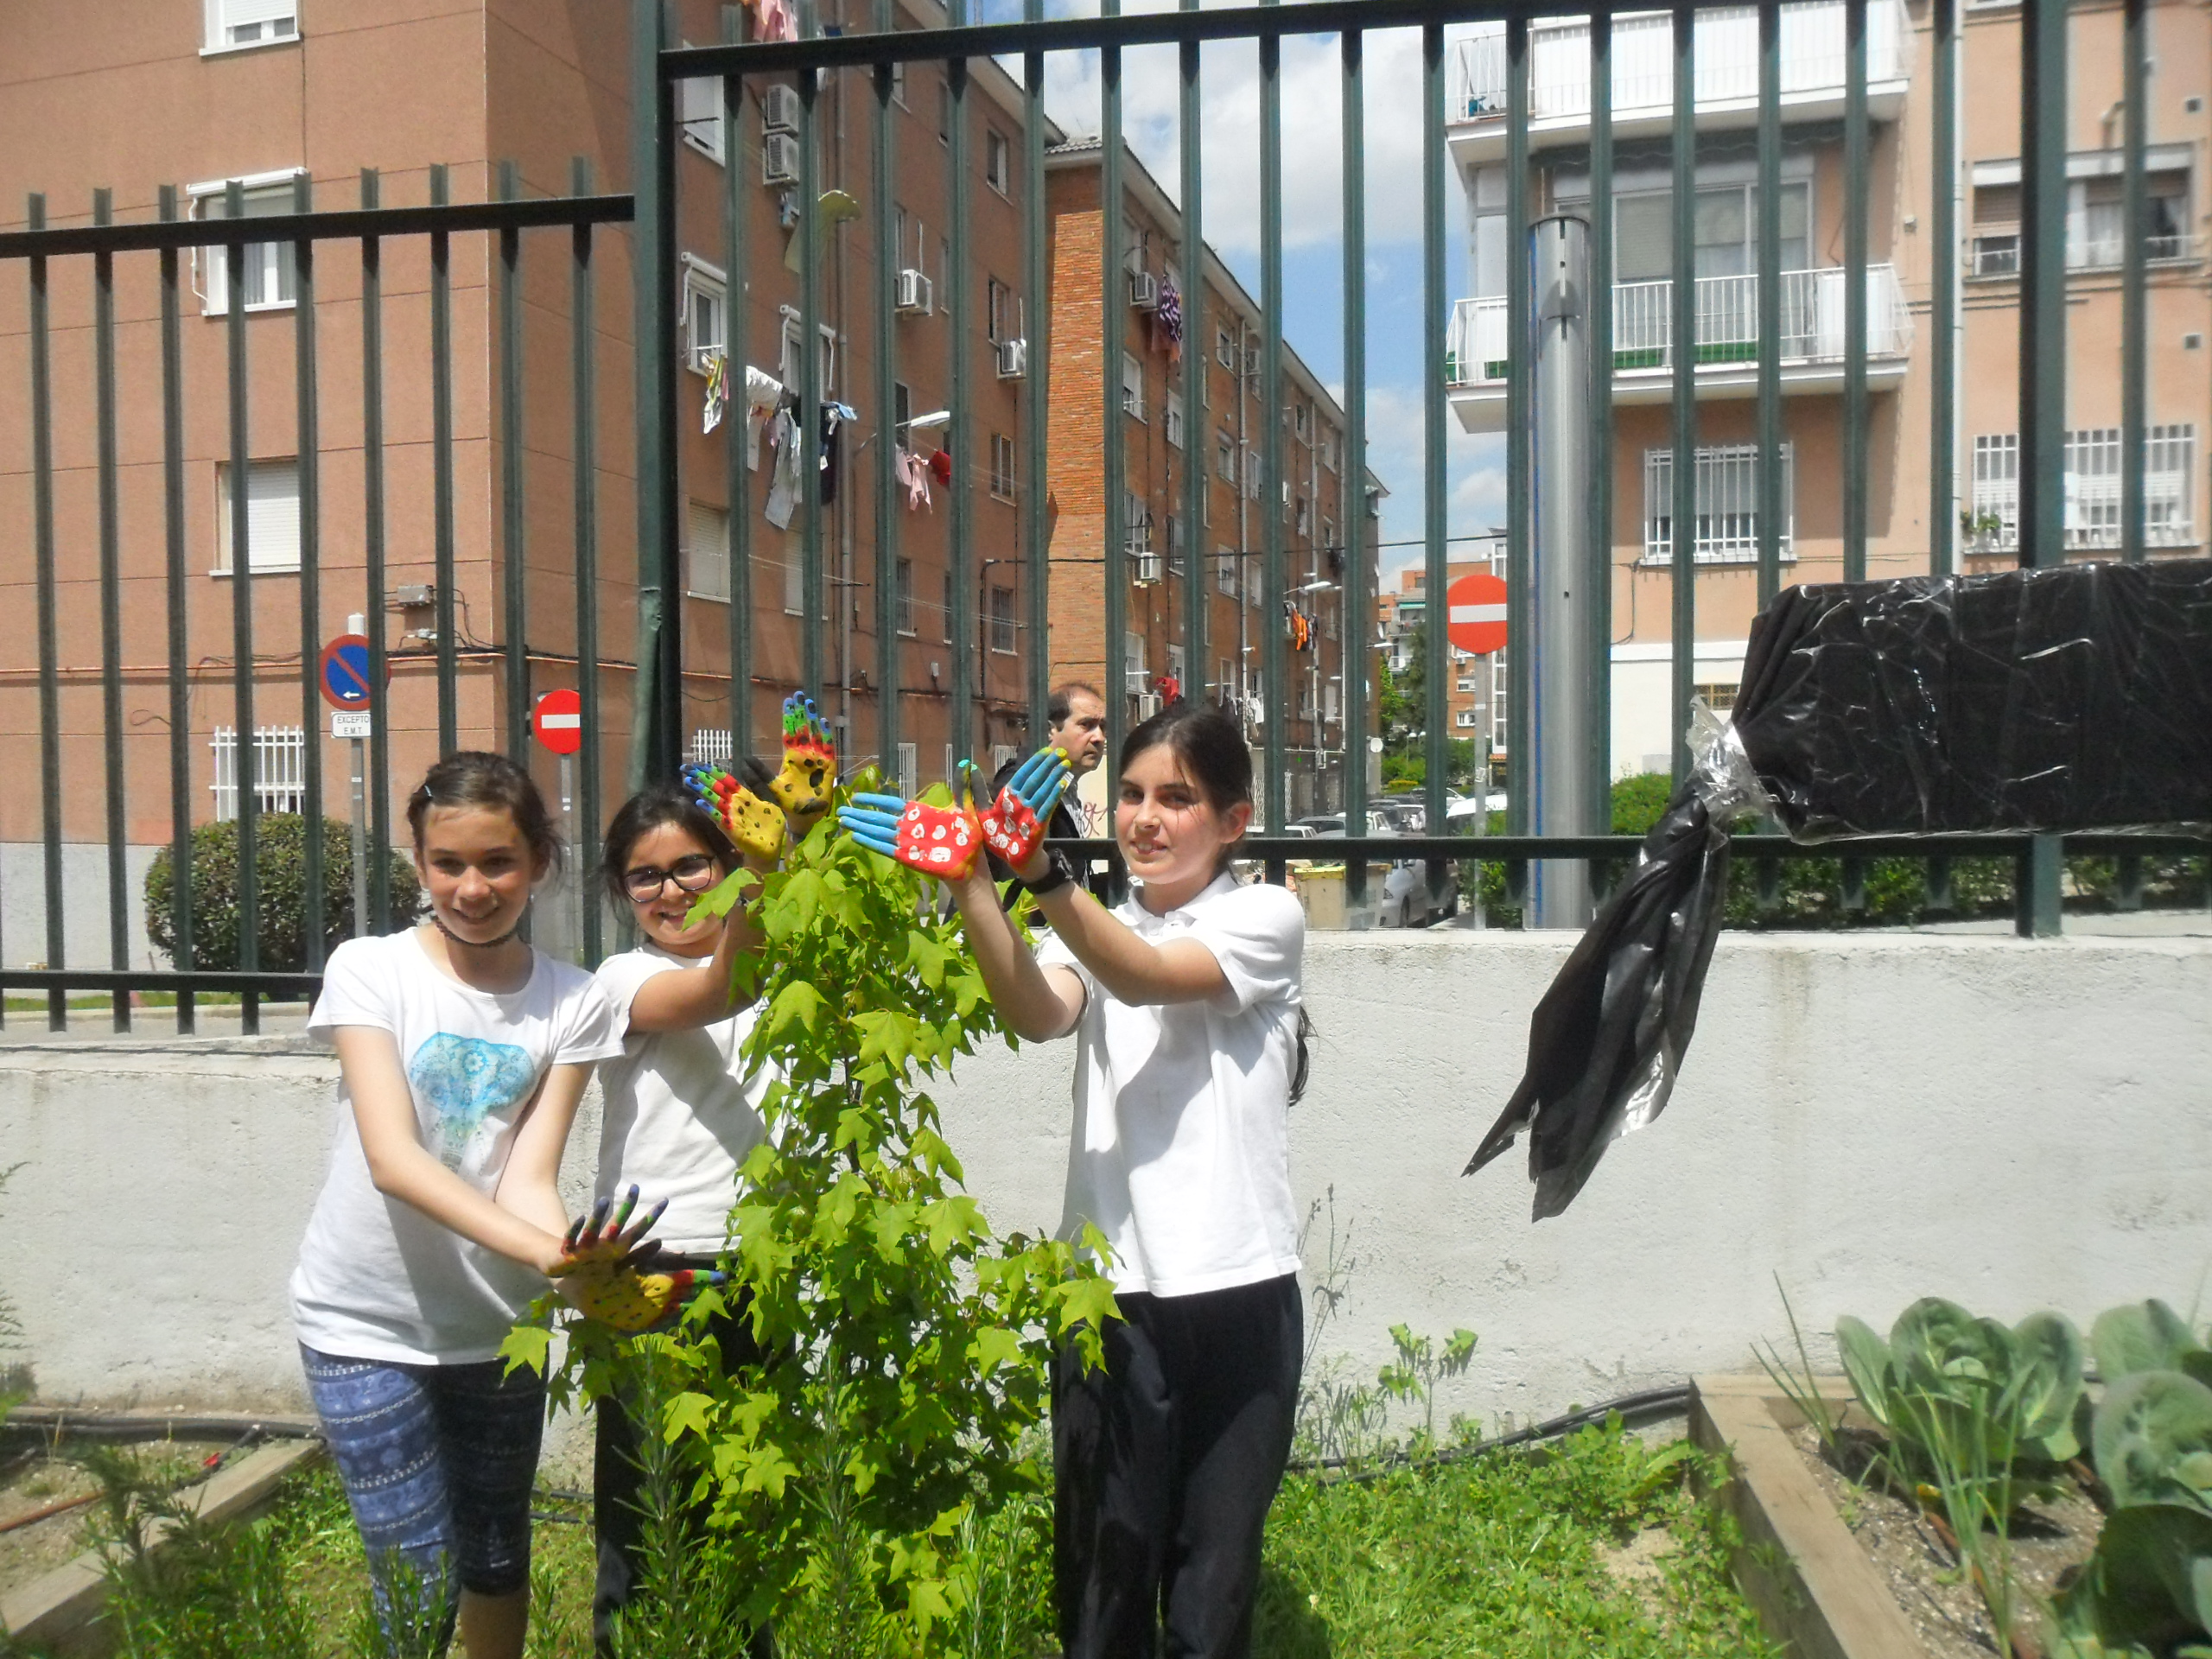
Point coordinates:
pixel 1180 1154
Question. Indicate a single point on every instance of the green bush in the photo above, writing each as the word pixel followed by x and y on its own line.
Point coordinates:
pixel 280 870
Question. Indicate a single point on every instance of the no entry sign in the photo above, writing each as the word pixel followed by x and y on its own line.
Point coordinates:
pixel 558 722
pixel 1474 614
pixel 343 673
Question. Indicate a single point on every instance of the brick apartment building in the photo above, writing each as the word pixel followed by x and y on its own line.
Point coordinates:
pixel 1162 440
pixel 1900 95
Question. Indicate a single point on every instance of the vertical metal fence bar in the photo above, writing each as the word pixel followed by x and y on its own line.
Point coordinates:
pixel 372 542
pixel 969 668
pixel 738 189
pixel 180 954
pixel 1037 335
pixel 1520 504
pixel 1113 301
pixel 889 439
pixel 118 913
pixel 584 344
pixel 245 752
pixel 1942 351
pixel 1274 585
pixel 1599 611
pixel 657 714
pixel 2043 367
pixel 1682 352
pixel 308 435
pixel 2134 47
pixel 49 679
pixel 1434 653
pixel 513 552
pixel 445 610
pixel 812 390
pixel 1352 465
pixel 1770 354
pixel 1198 603
pixel 1856 211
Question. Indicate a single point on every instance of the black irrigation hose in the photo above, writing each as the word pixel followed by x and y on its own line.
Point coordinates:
pixel 63 1422
pixel 1630 1408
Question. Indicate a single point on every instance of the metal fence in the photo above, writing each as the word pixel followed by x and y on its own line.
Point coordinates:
pixel 1651 70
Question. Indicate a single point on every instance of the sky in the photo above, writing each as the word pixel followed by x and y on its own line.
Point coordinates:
pixel 1313 218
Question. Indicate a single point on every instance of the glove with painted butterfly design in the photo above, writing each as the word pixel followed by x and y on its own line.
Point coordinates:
pixel 1013 827
pixel 937 840
pixel 753 824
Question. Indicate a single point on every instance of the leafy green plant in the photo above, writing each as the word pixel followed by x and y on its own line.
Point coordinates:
pixel 2146 1337
pixel 280 892
pixel 1420 1366
pixel 1943 1370
pixel 1799 1386
pixel 910 1344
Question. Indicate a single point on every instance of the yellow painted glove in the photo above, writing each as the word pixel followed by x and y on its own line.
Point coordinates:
pixel 810 770
pixel 632 1301
pixel 753 824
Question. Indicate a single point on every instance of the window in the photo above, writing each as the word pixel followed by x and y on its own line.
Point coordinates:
pixel 794 583
pixel 944 112
pixel 1224 455
pixel 1228 681
pixel 787 359
pixel 902 408
pixel 1175 419
pixel 1305 518
pixel 1175 663
pixel 1251 472
pixel 1329 711
pixel 2091 485
pixel 1133 669
pixel 1302 420
pixel 2095 215
pixel 948 631
pixel 705 314
pixel 273 516
pixel 279 770
pixel 1465 720
pixel 268 264
pixel 910 768
pixel 899 85
pixel 1224 571
pixel 1253 584
pixel 233 23
pixel 1332 444
pixel 1465 682
pixel 699 116
pixel 1329 534
pixel 1136 524
pixel 707 552
pixel 1727 505
pixel 1328 620
pixel 1002 621
pixel 1718 695
pixel 902 604
pixel 1002 466
pixel 998 162
pixel 1131 384
pixel 1225 348
pixel 1004 312
pixel 1174 546
pixel 1726 226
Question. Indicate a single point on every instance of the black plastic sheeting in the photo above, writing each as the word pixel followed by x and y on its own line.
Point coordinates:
pixel 2075 697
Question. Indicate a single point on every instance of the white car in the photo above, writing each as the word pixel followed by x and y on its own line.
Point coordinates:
pixel 1405 901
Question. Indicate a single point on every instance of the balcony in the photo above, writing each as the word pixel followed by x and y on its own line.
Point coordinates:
pixel 1727 65
pixel 1727 342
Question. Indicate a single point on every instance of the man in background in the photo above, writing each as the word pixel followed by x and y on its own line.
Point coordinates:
pixel 1078 716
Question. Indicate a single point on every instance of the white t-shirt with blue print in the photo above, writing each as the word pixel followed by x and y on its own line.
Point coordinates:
pixel 377 1278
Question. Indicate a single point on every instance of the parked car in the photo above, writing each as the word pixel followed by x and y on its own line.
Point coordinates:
pixel 1460 814
pixel 1406 902
pixel 1324 825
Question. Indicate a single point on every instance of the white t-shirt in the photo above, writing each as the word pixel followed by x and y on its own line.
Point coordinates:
pixel 679 1117
pixel 1180 1154
pixel 378 1279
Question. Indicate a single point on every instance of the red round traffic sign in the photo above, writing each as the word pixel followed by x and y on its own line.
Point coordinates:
pixel 1474 614
pixel 557 721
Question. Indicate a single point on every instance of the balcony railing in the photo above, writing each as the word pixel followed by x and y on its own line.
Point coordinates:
pixel 1727 325
pixel 1727 43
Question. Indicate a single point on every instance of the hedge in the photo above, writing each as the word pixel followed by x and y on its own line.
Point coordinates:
pixel 280 866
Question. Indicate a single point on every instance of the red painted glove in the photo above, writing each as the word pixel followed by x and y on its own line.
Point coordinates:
pixel 939 840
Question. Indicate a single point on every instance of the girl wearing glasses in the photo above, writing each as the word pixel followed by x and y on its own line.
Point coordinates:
pixel 680 1113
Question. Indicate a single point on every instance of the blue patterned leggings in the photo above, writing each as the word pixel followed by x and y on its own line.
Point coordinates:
pixel 437 1462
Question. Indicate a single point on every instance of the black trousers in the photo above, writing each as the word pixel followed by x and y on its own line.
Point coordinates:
pixel 616 1481
pixel 1165 1462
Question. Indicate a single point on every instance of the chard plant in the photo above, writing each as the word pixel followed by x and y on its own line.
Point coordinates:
pixel 910 1343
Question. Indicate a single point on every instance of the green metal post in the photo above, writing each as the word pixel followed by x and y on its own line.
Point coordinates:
pixel 1522 646
pixel 513 553
pixel 181 956
pixel 1770 325
pixel 1683 349
pixel 308 426
pixel 1037 327
pixel 1599 611
pixel 583 370
pixel 1282 702
pixel 968 685
pixel 739 189
pixel 244 756
pixel 1197 603
pixel 118 911
pixel 1113 301
pixel 2135 69
pixel 812 232
pixel 372 543
pixel 1434 299
pixel 446 611
pixel 882 179
pixel 1352 465
pixel 657 716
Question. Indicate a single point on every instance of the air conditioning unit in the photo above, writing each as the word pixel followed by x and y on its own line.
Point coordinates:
pixel 1146 565
pixel 1147 704
pixel 778 159
pixel 779 108
pixel 1144 290
pixel 915 295
pixel 1014 359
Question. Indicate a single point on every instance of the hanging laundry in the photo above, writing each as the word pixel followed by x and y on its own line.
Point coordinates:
pixel 783 487
pixel 913 473
pixel 718 392
pixel 763 391
pixel 778 21
pixel 833 415
pixel 1169 690
pixel 1170 316
pixel 941 464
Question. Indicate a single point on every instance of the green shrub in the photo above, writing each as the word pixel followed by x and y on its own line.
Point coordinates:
pixel 280 870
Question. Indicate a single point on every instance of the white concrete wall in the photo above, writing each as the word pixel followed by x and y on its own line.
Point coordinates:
pixel 1642 698
pixel 2015 1125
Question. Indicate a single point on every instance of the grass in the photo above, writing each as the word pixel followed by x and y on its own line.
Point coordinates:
pixel 1504 1556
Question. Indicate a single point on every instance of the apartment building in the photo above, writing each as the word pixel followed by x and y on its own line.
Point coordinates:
pixel 1162 442
pixel 138 93
pixel 1811 209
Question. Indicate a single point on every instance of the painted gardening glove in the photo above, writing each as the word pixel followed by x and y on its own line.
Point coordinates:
pixel 937 840
pixel 1013 827
pixel 598 1271
pixel 631 1301
pixel 810 771
pixel 601 1242
pixel 753 824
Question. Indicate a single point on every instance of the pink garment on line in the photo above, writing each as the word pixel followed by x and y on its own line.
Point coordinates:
pixel 778 21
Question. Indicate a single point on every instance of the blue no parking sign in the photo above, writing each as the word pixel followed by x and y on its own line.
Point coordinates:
pixel 343 673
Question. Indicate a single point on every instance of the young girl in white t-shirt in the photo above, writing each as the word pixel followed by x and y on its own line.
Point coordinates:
pixel 462 1053
pixel 1184 1001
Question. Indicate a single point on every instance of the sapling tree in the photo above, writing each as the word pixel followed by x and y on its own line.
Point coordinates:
pixel 910 1344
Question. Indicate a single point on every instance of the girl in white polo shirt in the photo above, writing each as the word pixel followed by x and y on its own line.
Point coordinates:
pixel 1184 1001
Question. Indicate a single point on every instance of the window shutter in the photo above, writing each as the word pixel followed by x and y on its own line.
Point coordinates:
pixel 709 542
pixel 236 13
